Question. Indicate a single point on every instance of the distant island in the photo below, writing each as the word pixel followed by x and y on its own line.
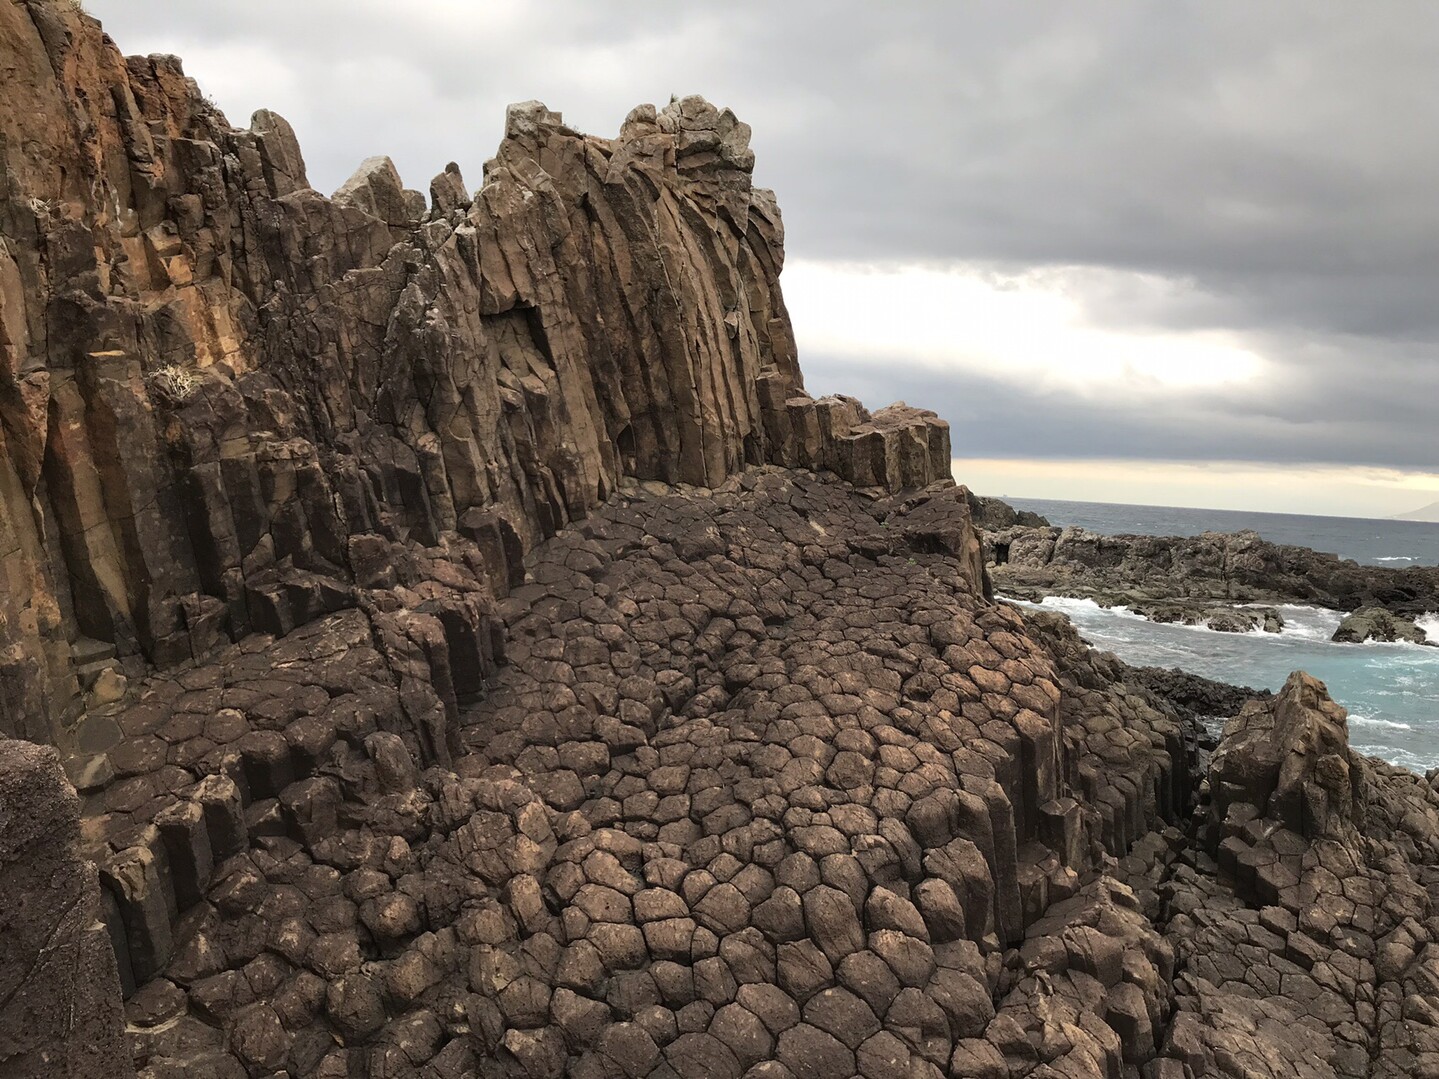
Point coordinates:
pixel 1428 513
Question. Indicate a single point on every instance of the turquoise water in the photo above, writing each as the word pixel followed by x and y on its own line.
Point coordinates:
pixel 1390 690
pixel 1370 542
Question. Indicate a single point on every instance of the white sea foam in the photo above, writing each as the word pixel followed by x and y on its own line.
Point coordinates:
pixel 1065 603
pixel 1073 605
pixel 1402 757
pixel 1429 623
pixel 1390 689
pixel 1375 721
pixel 1397 682
pixel 1427 649
pixel 1300 620
pixel 1121 610
pixel 1309 623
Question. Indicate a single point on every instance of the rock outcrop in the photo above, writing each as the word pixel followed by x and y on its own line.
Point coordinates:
pixel 1197 571
pixel 764 778
pixel 1220 618
pixel 213 378
pixel 1377 624
pixel 996 515
pixel 59 995
pixel 477 654
pixel 1303 922
pixel 1193 696
pixel 1288 760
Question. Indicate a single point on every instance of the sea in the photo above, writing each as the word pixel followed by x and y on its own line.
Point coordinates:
pixel 1368 542
pixel 1390 690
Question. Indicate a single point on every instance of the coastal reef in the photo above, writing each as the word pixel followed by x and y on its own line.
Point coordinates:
pixel 1222 579
pixel 440 636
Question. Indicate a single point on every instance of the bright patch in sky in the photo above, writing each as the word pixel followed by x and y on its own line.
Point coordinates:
pixel 1236 485
pixel 1029 328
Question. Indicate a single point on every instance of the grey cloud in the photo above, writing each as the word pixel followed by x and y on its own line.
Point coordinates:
pixel 993 417
pixel 1279 159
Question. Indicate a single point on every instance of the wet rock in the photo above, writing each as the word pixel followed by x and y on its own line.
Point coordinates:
pixel 1377 624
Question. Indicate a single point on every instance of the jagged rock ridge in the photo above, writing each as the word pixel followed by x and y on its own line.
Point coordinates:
pixel 214 378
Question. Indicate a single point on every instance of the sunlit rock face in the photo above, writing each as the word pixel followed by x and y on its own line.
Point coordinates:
pixel 215 377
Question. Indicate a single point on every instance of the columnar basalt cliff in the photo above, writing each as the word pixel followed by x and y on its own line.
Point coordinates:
pixel 215 378
pixel 476 654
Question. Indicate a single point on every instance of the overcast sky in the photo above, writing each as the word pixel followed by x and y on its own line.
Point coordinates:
pixel 1180 252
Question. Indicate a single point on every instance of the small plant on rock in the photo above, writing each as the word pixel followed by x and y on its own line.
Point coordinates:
pixel 174 383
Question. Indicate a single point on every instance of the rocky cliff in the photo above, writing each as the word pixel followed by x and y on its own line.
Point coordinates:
pixel 476 654
pixel 215 378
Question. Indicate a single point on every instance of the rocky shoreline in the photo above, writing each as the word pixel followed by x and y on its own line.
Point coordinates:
pixel 1229 582
pixel 440 636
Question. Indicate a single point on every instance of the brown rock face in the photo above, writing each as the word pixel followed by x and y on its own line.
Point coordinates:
pixel 1305 945
pixel 764 781
pixel 1288 759
pixel 59 996
pixel 213 378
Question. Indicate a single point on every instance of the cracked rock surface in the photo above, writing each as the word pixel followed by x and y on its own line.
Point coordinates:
pixel 765 786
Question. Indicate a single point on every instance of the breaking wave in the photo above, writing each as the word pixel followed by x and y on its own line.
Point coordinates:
pixel 1429 623
pixel 1390 689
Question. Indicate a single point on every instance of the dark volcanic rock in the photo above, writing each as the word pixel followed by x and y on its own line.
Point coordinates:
pixel 798 800
pixel 1288 759
pixel 1301 945
pixel 225 399
pixel 480 656
pixel 995 515
pixel 1194 696
pixel 1195 571
pixel 59 994
pixel 1221 619
pixel 1377 624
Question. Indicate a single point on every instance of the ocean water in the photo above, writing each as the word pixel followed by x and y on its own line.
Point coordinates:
pixel 1369 542
pixel 1390 690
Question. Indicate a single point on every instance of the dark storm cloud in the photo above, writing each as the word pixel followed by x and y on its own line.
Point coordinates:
pixel 1278 161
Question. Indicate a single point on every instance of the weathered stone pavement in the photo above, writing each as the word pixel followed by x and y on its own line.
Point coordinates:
pixel 765 783
pixel 751 782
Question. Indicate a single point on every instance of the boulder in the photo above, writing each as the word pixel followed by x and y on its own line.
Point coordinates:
pixel 1288 760
pixel 1377 624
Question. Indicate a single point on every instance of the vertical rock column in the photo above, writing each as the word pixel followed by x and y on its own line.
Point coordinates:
pixel 60 1011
